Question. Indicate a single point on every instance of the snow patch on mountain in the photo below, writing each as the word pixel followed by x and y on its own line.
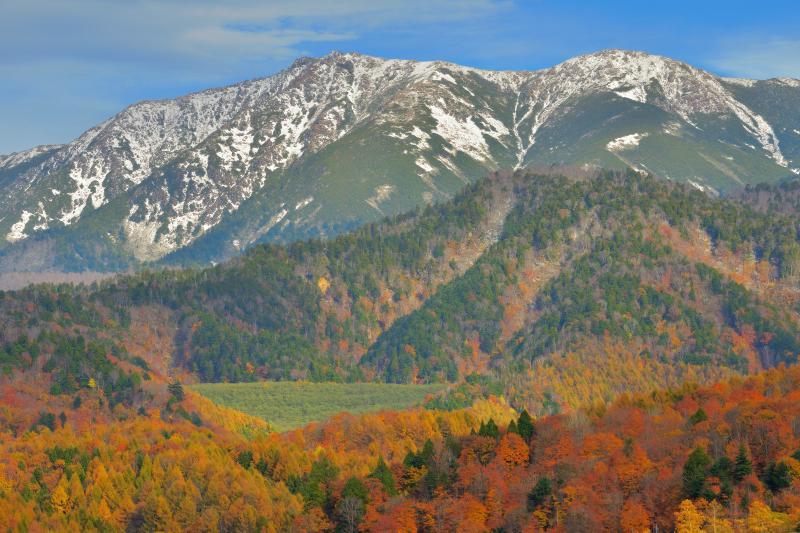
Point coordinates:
pixel 790 82
pixel 294 124
pixel 382 193
pixel 88 185
pixel 18 158
pixel 187 218
pixel 43 220
pixel 423 164
pixel 760 129
pixel 443 76
pixel 703 188
pixel 744 82
pixel 422 142
pixel 672 128
pixel 496 128
pixel 235 147
pixel 637 94
pixel 462 134
pixel 534 111
pixel 304 202
pixel 17 232
pixel 626 142
pixel 276 218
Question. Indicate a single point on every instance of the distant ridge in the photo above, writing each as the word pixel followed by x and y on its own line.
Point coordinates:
pixel 331 143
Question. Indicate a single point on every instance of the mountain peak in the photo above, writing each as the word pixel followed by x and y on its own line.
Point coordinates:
pixel 343 54
pixel 791 82
pixel 624 60
pixel 281 152
pixel 23 156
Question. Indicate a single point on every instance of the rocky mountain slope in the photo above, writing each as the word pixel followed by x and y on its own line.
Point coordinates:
pixel 332 143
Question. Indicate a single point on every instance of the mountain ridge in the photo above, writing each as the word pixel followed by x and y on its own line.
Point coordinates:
pixel 203 176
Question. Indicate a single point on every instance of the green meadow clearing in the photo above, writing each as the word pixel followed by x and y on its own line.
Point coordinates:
pixel 288 405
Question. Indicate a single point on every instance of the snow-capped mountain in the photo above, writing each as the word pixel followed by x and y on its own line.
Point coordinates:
pixel 333 142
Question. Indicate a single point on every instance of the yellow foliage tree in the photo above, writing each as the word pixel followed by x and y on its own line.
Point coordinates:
pixel 59 499
pixel 762 519
pixel 103 512
pixel 76 491
pixel 6 486
pixel 688 519
pixel 323 284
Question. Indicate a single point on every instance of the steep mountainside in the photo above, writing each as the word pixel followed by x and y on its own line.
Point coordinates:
pixel 543 287
pixel 336 142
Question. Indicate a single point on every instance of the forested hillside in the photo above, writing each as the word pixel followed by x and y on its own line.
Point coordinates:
pixel 722 458
pixel 538 293
pixel 541 286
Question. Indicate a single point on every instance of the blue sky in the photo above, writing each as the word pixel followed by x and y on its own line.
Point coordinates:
pixel 69 64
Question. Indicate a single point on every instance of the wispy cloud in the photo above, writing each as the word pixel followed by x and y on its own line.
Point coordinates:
pixel 170 31
pixel 63 58
pixel 759 58
pixel 68 64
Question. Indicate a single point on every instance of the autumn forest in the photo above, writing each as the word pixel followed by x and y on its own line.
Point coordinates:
pixel 591 351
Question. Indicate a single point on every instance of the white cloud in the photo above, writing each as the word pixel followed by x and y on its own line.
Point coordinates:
pixel 759 58
pixel 60 58
pixel 169 30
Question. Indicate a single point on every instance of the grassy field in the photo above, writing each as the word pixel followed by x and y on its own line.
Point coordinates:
pixel 287 405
